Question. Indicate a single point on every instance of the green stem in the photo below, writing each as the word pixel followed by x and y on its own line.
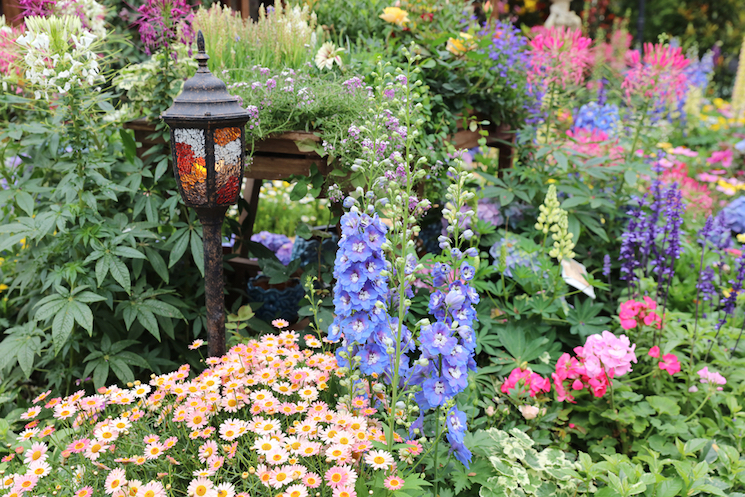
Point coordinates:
pixel 638 131
pixel 641 377
pixel 436 447
pixel 697 409
pixel 550 109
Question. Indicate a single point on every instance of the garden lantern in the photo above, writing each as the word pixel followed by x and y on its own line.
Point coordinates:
pixel 208 142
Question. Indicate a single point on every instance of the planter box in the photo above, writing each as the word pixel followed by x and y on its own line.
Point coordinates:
pixel 501 137
pixel 278 157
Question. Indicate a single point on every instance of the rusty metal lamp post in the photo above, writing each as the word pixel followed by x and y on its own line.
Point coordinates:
pixel 208 142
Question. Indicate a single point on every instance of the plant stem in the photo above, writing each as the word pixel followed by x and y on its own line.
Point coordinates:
pixel 697 409
pixel 437 441
pixel 695 326
pixel 550 109
pixel 638 131
pixel 738 339
pixel 641 377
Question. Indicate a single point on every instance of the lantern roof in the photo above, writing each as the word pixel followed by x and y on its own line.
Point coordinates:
pixel 205 97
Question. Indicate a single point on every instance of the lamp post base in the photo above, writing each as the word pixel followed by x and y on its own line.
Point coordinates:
pixel 212 220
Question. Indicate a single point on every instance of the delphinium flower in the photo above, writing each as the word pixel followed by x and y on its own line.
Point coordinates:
pixel 163 22
pixel 558 57
pixel 659 76
pixel 448 345
pixel 729 303
pixel 61 62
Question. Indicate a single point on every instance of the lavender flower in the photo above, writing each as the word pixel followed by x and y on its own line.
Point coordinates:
pixel 606 266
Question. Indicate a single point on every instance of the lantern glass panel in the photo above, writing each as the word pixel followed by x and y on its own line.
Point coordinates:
pixel 228 162
pixel 191 165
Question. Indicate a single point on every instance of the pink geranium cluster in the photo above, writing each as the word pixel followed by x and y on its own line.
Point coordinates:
pixel 525 380
pixel 659 74
pixel 558 56
pixel 712 377
pixel 669 362
pixel 634 312
pixel 603 357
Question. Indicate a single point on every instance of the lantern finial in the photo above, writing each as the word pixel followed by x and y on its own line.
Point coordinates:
pixel 201 56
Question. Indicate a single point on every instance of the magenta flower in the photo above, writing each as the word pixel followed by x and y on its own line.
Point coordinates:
pixel 531 382
pixel 633 313
pixel 558 56
pixel 654 352
pixel 659 75
pixel 163 22
pixel 670 364
pixel 721 156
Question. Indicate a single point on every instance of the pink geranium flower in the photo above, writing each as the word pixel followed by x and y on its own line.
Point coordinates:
pixel 530 381
pixel 670 364
pixel 654 351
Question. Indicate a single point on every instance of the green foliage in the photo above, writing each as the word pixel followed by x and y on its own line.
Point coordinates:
pixel 102 258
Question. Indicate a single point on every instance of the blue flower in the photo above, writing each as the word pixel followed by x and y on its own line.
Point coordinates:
pixel 592 117
pixel 357 328
pixel 734 215
pixel 436 391
pixel 373 359
pixel 437 339
pixel 467 272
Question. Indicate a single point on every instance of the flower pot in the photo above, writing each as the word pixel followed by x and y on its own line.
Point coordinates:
pixel 279 301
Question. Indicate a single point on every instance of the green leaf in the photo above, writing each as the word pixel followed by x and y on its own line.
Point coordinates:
pixel 197 251
pixel 130 147
pixel 83 315
pixel 561 160
pixel 300 190
pixel 161 168
pixel 120 272
pixel 25 202
pixel 670 488
pixel 121 370
pixel 100 374
pixel 128 252
pixel 630 176
pixel 102 269
pixel 148 321
pixel 89 297
pixel 664 405
pixel 179 247
pixel 50 308
pixel 62 327
pixel 162 308
pixel 158 263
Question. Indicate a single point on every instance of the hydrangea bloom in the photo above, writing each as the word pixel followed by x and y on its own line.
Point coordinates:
pixel 593 116
pixel 734 215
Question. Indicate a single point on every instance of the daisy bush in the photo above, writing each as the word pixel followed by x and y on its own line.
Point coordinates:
pixel 261 420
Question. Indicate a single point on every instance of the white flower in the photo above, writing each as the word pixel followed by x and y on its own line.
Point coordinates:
pixel 529 412
pixel 327 55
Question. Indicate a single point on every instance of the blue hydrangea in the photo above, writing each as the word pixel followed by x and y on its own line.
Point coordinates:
pixel 734 215
pixel 593 116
